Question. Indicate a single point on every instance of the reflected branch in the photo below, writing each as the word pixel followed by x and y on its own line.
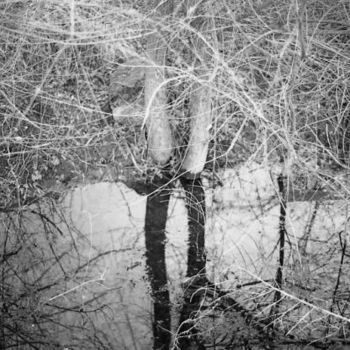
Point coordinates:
pixel 282 235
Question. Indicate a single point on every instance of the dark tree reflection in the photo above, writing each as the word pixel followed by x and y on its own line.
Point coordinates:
pixel 155 223
pixel 196 263
pixel 196 214
pixel 158 195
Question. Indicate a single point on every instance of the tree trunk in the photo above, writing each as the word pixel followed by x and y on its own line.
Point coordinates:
pixel 197 148
pixel 159 138
pixel 200 103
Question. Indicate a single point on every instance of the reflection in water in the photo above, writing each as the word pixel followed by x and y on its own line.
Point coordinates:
pixel 155 223
pixel 196 213
pixel 282 236
pixel 196 261
pixel 73 272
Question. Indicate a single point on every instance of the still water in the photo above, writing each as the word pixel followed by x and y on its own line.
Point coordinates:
pixel 101 265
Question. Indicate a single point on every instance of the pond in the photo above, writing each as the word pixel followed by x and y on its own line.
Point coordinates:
pixel 110 268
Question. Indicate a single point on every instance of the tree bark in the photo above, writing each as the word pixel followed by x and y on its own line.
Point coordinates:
pixel 159 138
pixel 200 102
pixel 197 148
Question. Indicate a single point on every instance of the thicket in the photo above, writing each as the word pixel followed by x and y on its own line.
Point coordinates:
pixel 72 108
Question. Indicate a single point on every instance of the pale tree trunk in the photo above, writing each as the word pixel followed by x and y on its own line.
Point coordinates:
pixel 200 104
pixel 197 148
pixel 160 138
